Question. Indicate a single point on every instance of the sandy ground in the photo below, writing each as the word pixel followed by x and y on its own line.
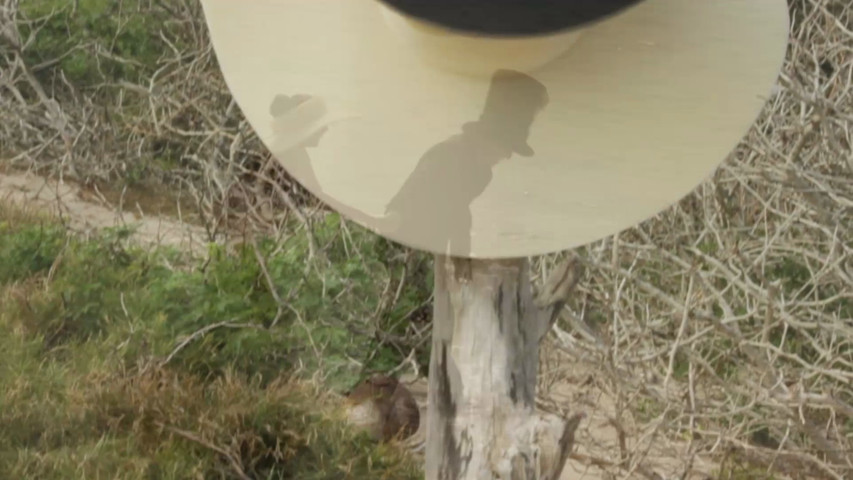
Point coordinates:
pixel 85 211
pixel 596 440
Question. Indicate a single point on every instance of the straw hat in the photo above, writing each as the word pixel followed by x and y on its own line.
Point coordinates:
pixel 645 98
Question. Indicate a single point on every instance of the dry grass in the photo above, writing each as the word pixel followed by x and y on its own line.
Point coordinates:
pixel 726 323
pixel 723 327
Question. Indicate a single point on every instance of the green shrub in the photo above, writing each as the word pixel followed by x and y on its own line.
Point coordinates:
pixel 84 392
pixel 29 249
pixel 127 36
pixel 104 288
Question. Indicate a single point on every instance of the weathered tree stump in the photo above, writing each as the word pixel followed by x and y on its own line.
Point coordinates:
pixel 481 420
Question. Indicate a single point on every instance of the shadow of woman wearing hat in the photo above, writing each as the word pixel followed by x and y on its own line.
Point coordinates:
pixel 289 148
pixel 434 203
pixel 299 123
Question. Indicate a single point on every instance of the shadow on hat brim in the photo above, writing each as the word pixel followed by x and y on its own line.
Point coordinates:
pixel 524 150
pixel 283 143
pixel 282 104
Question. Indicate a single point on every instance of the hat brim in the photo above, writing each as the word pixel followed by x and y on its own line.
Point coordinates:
pixel 282 140
pixel 524 150
pixel 642 109
pixel 519 146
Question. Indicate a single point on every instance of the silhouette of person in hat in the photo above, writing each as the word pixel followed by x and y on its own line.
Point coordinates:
pixel 296 128
pixel 434 203
pixel 299 123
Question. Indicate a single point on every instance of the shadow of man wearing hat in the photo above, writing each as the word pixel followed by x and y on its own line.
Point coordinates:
pixel 434 203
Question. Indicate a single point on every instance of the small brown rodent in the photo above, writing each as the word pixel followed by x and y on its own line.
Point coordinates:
pixel 384 407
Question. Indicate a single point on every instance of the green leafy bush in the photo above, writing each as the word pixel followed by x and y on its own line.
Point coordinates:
pixel 86 392
pixel 99 40
pixel 27 250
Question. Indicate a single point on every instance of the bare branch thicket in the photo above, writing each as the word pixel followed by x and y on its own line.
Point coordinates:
pixel 721 329
pixel 176 124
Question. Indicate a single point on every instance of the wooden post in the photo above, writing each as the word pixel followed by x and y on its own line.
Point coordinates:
pixel 481 418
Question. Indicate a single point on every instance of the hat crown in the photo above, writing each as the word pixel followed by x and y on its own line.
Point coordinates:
pixel 510 17
pixel 468 54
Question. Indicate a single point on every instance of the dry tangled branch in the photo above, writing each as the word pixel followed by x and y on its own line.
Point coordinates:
pixel 723 328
